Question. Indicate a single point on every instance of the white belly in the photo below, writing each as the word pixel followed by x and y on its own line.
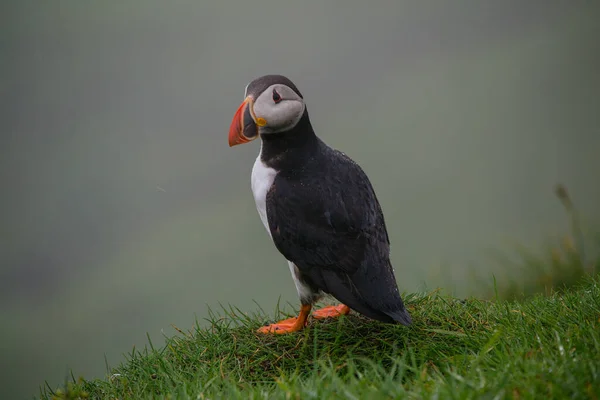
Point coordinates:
pixel 262 179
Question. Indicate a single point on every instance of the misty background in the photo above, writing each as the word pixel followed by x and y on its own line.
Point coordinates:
pixel 123 210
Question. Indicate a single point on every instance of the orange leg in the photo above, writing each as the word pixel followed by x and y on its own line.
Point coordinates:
pixel 289 325
pixel 331 311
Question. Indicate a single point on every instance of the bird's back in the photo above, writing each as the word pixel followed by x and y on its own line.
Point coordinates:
pixel 341 244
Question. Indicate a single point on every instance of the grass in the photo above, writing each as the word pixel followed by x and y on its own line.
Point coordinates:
pixel 559 267
pixel 536 339
pixel 543 346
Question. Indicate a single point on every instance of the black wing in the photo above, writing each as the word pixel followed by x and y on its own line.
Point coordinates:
pixel 326 218
pixel 329 223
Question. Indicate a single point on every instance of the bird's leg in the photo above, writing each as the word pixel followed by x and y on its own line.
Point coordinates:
pixel 291 324
pixel 331 311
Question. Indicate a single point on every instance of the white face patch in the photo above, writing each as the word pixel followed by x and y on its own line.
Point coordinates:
pixel 280 115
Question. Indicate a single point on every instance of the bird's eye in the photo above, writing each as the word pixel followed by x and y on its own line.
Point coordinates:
pixel 276 97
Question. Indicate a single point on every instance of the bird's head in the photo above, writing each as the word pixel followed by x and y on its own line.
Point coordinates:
pixel 272 104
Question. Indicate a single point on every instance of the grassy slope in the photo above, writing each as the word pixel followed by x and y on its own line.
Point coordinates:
pixel 542 346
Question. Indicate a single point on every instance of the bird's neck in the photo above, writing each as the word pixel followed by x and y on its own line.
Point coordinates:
pixel 291 149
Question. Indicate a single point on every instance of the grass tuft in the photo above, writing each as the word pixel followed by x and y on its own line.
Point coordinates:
pixel 561 265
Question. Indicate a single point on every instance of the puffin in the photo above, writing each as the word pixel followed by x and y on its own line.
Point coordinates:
pixel 319 208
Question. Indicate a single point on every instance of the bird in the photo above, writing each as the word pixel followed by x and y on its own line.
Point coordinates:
pixel 319 208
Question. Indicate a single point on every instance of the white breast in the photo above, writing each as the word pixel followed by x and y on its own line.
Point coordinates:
pixel 262 179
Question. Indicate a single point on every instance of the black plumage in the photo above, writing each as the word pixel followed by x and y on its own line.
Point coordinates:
pixel 324 216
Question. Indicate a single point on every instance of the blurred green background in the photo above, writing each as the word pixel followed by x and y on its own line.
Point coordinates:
pixel 124 210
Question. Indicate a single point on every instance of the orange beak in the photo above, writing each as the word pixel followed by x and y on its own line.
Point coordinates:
pixel 243 128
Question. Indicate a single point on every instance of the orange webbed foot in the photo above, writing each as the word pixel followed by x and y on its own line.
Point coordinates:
pixel 288 325
pixel 331 311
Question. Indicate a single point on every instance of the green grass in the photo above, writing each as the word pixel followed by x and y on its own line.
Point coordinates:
pixel 538 336
pixel 543 346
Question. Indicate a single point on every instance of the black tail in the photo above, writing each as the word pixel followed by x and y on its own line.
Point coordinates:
pixel 401 316
pixel 389 309
pixel 377 286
